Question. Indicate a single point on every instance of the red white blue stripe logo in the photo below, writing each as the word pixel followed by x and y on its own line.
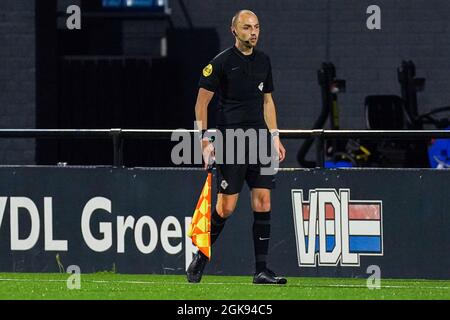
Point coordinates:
pixel 343 231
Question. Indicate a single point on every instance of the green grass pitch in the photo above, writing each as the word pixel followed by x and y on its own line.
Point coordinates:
pixel 108 286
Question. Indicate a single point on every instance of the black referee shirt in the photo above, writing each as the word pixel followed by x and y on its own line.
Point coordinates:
pixel 241 82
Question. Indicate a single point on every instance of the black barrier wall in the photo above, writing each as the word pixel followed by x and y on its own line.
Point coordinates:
pixel 135 221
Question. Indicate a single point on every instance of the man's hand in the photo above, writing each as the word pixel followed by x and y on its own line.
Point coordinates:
pixel 279 148
pixel 208 152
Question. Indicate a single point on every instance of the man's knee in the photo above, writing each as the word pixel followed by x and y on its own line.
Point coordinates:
pixel 225 210
pixel 262 204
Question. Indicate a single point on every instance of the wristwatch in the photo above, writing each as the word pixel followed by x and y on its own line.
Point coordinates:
pixel 275 133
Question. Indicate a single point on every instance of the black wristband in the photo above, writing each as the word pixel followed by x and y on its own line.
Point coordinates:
pixel 201 134
pixel 210 138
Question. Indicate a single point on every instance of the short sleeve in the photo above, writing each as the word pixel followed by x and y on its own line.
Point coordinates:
pixel 268 83
pixel 210 77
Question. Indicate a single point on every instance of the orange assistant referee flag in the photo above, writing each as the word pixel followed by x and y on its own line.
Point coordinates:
pixel 200 227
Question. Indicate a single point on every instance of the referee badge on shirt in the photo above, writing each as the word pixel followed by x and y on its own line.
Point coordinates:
pixel 261 86
pixel 208 70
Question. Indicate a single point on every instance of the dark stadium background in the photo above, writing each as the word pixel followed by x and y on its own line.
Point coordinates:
pixel 111 74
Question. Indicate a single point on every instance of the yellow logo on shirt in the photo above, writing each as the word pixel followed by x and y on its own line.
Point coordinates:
pixel 208 70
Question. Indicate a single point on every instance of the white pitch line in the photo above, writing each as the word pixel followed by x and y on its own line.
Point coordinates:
pixel 224 283
pixel 381 286
pixel 125 281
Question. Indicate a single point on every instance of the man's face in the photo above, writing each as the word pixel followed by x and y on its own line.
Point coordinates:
pixel 248 28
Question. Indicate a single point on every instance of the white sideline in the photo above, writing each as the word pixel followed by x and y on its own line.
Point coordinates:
pixel 224 283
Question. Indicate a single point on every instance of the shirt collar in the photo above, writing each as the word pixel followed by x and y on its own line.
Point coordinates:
pixel 247 57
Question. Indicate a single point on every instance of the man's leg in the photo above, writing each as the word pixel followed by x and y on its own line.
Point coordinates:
pixel 224 208
pixel 230 179
pixel 261 235
pixel 261 226
pixel 226 203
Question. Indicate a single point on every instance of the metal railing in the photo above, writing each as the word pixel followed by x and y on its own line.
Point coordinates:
pixel 118 135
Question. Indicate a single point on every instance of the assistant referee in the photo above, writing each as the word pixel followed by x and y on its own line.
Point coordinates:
pixel 242 76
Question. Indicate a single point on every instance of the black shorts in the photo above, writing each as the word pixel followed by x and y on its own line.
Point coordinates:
pixel 231 177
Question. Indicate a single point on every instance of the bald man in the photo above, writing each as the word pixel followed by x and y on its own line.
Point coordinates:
pixel 242 76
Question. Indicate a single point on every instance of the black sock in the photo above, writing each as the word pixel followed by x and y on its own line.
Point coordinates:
pixel 261 236
pixel 217 224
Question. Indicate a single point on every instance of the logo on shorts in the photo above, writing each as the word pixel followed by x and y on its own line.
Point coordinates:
pixel 261 86
pixel 208 70
pixel 224 184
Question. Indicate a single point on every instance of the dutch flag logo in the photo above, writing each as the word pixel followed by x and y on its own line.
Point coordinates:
pixel 331 228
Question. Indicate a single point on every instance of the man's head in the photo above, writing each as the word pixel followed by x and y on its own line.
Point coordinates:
pixel 245 27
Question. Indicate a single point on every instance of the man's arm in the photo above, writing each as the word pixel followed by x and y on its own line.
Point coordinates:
pixel 270 116
pixel 201 120
pixel 201 108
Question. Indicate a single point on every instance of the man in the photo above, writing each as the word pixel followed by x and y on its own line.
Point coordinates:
pixel 242 76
